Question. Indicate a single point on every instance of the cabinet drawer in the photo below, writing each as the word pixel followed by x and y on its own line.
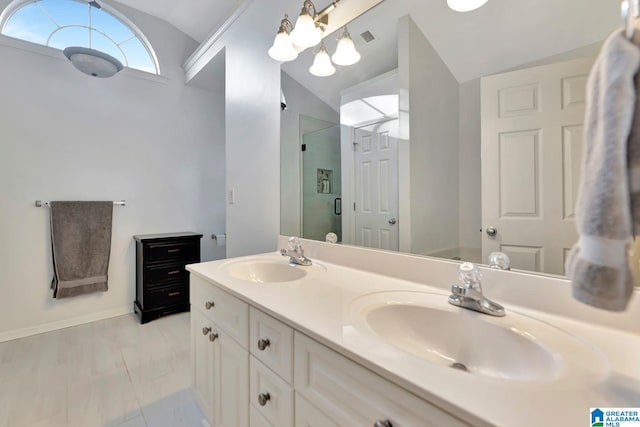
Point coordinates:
pixel 163 251
pixel 257 420
pixel 276 405
pixel 354 396
pixel 308 415
pixel 271 341
pixel 165 273
pixel 174 293
pixel 227 311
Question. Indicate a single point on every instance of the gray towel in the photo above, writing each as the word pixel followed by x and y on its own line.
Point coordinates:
pixel 607 208
pixel 81 242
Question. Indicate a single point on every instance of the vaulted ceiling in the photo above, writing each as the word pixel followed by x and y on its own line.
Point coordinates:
pixel 196 18
pixel 502 34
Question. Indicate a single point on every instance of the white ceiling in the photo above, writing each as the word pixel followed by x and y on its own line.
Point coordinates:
pixel 196 18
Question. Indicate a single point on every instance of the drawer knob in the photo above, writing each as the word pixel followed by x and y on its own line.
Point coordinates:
pixel 263 343
pixel 213 337
pixel 381 423
pixel 173 251
pixel 206 330
pixel 209 305
pixel 263 398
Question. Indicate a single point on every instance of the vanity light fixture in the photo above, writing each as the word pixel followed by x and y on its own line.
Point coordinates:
pixel 282 49
pixel 465 5
pixel 322 66
pixel 346 53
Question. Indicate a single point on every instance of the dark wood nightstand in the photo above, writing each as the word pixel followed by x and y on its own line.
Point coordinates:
pixel 162 283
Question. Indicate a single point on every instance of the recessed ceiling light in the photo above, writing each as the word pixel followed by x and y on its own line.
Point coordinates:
pixel 465 5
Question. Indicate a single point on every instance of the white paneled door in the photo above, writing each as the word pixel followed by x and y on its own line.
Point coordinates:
pixel 532 125
pixel 376 186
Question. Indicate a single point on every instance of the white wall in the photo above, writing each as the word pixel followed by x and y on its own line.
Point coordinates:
pixel 470 165
pixel 68 136
pixel 433 106
pixel 300 102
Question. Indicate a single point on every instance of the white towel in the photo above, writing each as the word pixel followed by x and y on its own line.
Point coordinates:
pixel 598 263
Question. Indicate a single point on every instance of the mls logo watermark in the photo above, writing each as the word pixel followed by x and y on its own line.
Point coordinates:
pixel 615 417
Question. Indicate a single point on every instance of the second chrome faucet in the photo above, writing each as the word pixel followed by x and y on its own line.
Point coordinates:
pixel 469 293
pixel 295 252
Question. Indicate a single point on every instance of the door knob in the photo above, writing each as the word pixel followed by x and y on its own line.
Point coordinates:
pixel 209 305
pixel 393 221
pixel 213 337
pixel 206 330
pixel 492 231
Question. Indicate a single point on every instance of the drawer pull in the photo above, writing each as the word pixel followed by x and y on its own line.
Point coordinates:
pixel 381 423
pixel 263 398
pixel 213 337
pixel 209 305
pixel 206 330
pixel 173 294
pixel 263 344
pixel 174 272
pixel 172 251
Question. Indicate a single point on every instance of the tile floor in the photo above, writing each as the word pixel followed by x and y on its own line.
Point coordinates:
pixel 110 373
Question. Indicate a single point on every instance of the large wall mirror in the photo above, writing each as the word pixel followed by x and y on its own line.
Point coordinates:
pixel 455 135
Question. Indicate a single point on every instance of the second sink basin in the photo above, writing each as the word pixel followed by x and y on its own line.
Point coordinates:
pixel 515 347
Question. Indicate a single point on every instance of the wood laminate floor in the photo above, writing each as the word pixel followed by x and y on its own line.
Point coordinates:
pixel 114 372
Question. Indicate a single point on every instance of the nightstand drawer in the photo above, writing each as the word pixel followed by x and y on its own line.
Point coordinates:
pixel 165 274
pixel 164 251
pixel 167 295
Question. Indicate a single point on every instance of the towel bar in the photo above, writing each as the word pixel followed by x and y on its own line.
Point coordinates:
pixel 40 203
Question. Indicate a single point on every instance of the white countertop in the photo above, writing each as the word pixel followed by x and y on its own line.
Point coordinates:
pixel 321 306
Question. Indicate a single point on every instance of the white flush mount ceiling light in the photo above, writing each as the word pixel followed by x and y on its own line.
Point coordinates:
pixel 346 53
pixel 282 49
pixel 90 61
pixel 322 66
pixel 465 5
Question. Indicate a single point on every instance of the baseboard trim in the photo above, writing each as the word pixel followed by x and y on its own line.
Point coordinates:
pixel 66 323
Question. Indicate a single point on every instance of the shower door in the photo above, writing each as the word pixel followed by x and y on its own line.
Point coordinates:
pixel 321 186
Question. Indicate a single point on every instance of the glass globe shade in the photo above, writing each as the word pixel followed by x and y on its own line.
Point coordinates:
pixel 282 49
pixel 305 33
pixel 346 53
pixel 322 66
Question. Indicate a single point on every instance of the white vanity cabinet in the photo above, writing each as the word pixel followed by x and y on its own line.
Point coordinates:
pixel 257 371
pixel 350 395
pixel 219 355
pixel 271 370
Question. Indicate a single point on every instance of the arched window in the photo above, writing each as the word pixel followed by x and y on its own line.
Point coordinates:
pixel 63 23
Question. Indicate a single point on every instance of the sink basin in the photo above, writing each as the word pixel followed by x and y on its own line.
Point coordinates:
pixel 265 271
pixel 515 347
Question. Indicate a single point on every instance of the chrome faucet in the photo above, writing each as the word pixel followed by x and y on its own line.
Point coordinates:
pixel 469 294
pixel 295 252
